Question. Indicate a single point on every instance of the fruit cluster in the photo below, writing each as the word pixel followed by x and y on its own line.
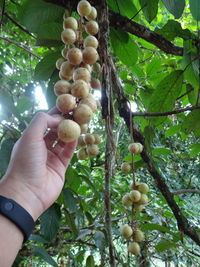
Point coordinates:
pixel 89 146
pixel 137 198
pixel 79 62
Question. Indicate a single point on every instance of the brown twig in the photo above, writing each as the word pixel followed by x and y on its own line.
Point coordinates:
pixel 183 191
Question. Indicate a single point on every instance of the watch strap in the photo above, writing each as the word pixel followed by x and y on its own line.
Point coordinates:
pixel 18 215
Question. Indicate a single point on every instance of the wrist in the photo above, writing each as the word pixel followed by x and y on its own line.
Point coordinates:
pixel 20 192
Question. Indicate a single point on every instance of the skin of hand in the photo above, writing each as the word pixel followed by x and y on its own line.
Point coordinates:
pixel 35 175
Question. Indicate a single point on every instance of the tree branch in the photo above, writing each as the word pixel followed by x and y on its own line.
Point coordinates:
pixel 183 191
pixel 160 114
pixel 19 45
pixel 118 21
pixel 124 111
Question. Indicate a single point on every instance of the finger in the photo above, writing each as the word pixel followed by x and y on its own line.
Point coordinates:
pixel 54 111
pixel 39 124
pixel 67 152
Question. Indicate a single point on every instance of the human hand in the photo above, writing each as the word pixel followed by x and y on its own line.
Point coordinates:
pixel 36 171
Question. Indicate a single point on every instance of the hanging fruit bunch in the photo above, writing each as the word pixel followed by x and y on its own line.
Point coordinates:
pixel 78 72
pixel 137 198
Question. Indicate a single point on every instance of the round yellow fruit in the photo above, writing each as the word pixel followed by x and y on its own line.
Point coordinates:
pixel 133 148
pixel 82 114
pixel 90 55
pixel 91 102
pixel 143 200
pixel 126 231
pixel 84 128
pixel 89 139
pixel 92 27
pixel 143 188
pixel 126 201
pixel 70 23
pixel 126 167
pixel 84 8
pixel 64 52
pixel 68 36
pixel 59 62
pixel 80 89
pixel 62 87
pixel 74 56
pixel 138 235
pixel 81 141
pixel 134 248
pixel 65 103
pixel 92 150
pixel 82 74
pixel 68 130
pixel 67 69
pixel 96 67
pixel 91 41
pixel 97 139
pixel 92 15
pixel 135 195
pixel 95 83
pixel 82 154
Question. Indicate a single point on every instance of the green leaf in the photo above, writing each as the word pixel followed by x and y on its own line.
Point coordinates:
pixel 99 239
pixel 173 130
pixel 90 261
pixel 164 96
pixel 5 152
pixel 72 178
pixel 43 254
pixel 69 200
pixel 175 7
pixel 173 29
pixel 124 47
pixel 161 151
pixel 154 226
pixel 149 8
pixel 50 222
pixel 195 9
pixel 37 238
pixel 24 103
pixel 70 220
pixel 125 7
pixel 45 68
pixel 33 14
pixel 50 31
pixel 165 245
pixel 83 233
pixel 195 150
pixel 192 123
pixel 49 94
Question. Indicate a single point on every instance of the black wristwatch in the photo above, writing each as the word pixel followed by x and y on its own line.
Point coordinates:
pixel 18 215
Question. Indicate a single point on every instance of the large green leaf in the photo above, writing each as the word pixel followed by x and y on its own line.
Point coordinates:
pixel 33 14
pixel 195 9
pixel 5 152
pixel 154 226
pixel 90 261
pixel 192 123
pixel 164 96
pixel 43 254
pixel 149 8
pixel 124 47
pixel 125 7
pixel 46 67
pixel 69 200
pixel 99 239
pixel 195 150
pixel 175 7
pixel 50 222
pixel 165 245
pixel 72 178
pixel 161 151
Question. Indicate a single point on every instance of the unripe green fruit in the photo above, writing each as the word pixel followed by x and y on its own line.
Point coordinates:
pixel 67 69
pixel 134 148
pixel 62 87
pixel 92 27
pixel 140 147
pixel 97 139
pixel 143 200
pixel 126 201
pixel 82 114
pixel 74 56
pixel 91 41
pixel 70 23
pixel 68 130
pixel 134 248
pixel 68 36
pixel 82 154
pixel 135 195
pixel 64 52
pixel 138 207
pixel 91 102
pixel 126 231
pixel 90 55
pixel 89 139
pixel 92 150
pixel 59 62
pixel 84 128
pixel 82 74
pixel 143 188
pixel 80 89
pixel 138 236
pixel 126 167
pixel 92 15
pixel 96 67
pixel 95 83
pixel 84 8
pixel 65 103
pixel 81 141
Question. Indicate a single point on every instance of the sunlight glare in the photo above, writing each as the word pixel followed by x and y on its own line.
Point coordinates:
pixel 40 98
